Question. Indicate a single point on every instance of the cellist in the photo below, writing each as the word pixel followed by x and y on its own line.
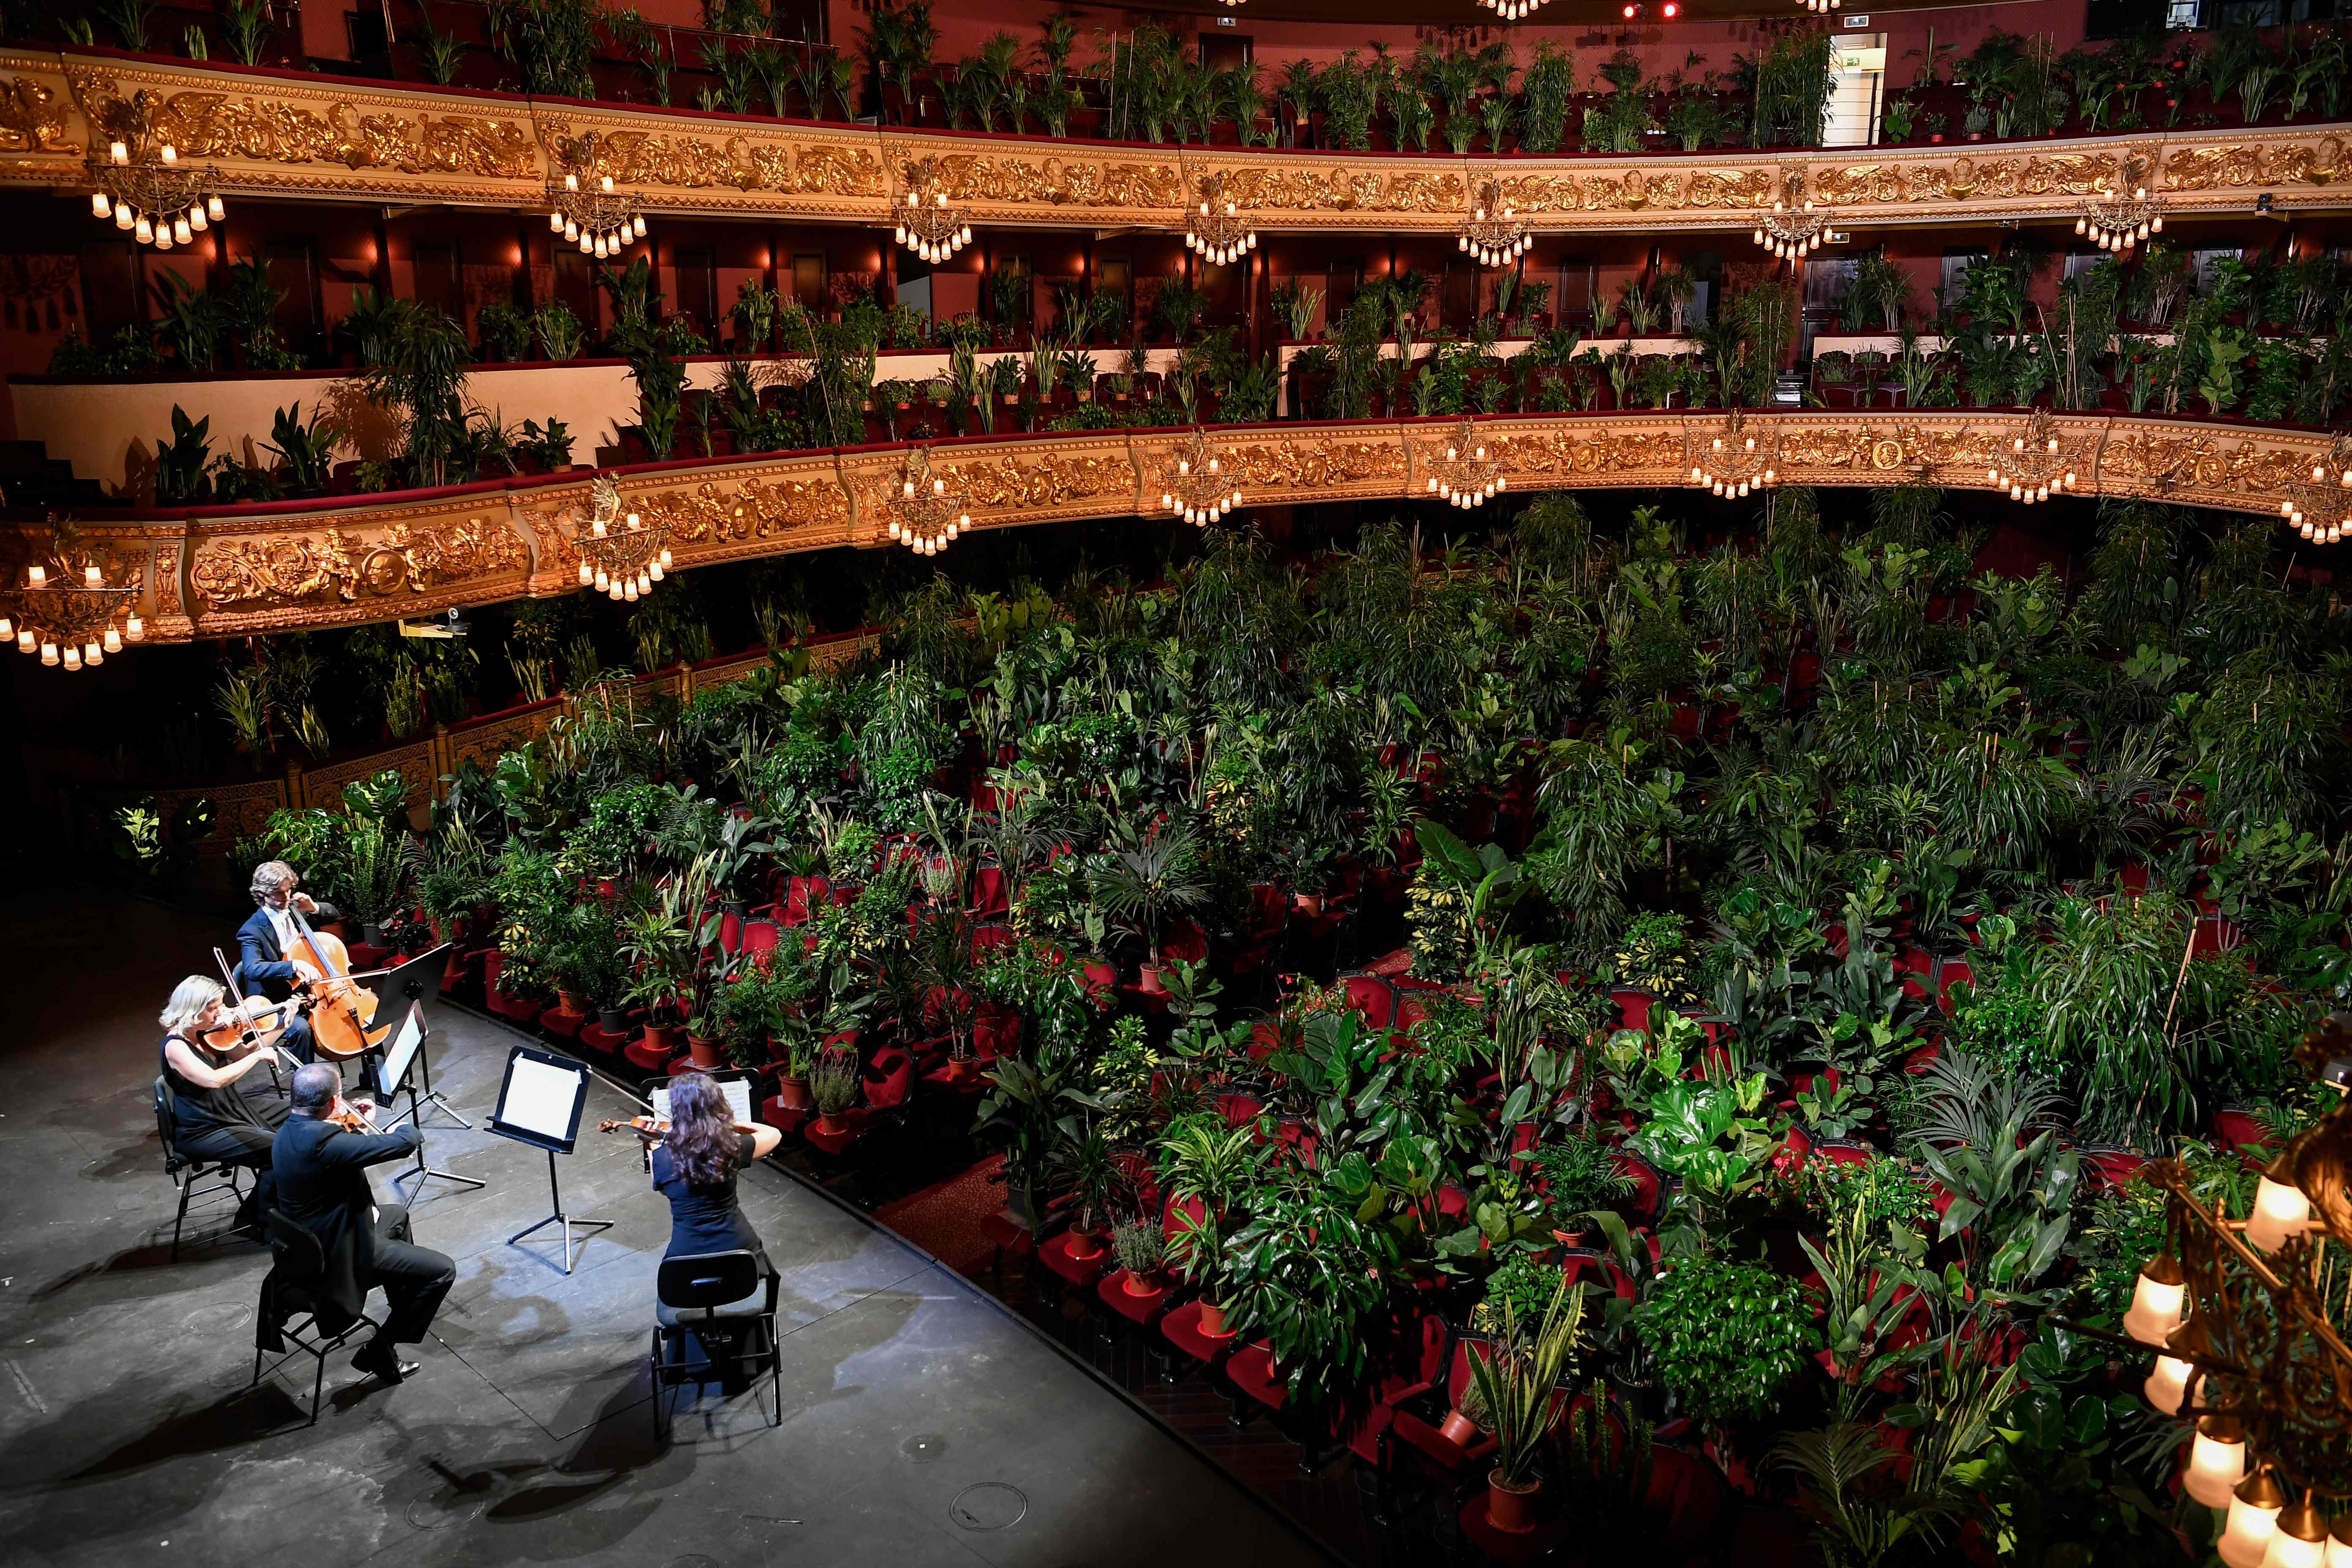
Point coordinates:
pixel 269 936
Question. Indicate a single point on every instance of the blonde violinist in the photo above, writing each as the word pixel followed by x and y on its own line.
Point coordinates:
pixel 211 1049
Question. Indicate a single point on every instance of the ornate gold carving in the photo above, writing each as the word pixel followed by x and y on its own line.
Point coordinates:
pixel 1052 180
pixel 741 163
pixel 1319 463
pixel 1009 484
pixel 411 556
pixel 2317 162
pixel 31 118
pixel 218 125
pixel 1339 188
pixel 756 509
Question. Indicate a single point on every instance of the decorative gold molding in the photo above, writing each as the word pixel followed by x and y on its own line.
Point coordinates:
pixel 209 576
pixel 285 135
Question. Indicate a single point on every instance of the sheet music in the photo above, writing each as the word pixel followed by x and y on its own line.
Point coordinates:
pixel 539 1098
pixel 739 1100
pixel 400 1054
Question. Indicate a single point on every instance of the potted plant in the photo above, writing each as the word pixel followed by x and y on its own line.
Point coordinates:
pixel 377 861
pixel 1206 1167
pixel 1142 1247
pixel 1024 1113
pixel 1515 1379
pixel 1467 1420
pixel 1086 1170
pixel 1579 1174
pixel 833 1084
pixel 1148 879
pixel 662 943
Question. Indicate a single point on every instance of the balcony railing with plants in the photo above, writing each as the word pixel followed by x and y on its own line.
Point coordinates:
pixel 1142 84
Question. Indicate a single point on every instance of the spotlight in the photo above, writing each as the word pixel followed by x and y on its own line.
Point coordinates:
pixel 1670 10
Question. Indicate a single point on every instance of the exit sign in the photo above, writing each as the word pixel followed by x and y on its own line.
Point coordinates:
pixel 1855 24
pixel 1226 22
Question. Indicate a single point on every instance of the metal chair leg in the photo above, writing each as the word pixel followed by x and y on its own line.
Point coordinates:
pixel 178 1220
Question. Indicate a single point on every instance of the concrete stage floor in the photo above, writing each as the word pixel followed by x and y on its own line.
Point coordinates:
pixel 923 1423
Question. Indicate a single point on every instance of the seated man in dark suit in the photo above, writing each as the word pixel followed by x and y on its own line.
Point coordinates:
pixel 265 939
pixel 322 1186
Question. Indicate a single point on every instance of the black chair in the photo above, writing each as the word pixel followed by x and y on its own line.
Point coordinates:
pixel 290 1292
pixel 720 1294
pixel 187 1170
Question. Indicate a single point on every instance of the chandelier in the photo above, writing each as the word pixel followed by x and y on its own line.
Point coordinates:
pixel 141 184
pixel 1792 227
pixel 1196 487
pixel 1492 233
pixel 926 225
pixel 586 208
pixel 923 516
pixel 2116 221
pixel 1466 476
pixel 1512 10
pixel 1216 228
pixel 68 611
pixel 1731 463
pixel 620 555
pixel 1818 6
pixel 2036 463
pixel 2237 1311
pixel 2321 505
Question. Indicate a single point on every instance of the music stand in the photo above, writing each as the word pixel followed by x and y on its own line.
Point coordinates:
pixel 402 1053
pixel 540 1101
pixel 418 980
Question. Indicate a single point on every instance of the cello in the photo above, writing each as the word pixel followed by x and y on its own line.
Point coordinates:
pixel 343 1011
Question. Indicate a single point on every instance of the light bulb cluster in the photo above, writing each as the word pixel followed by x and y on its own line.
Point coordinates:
pixel 1731 463
pixel 145 187
pixel 2036 465
pixel 2116 222
pixel 71 617
pixel 1513 10
pixel 587 208
pixel 928 225
pixel 1467 476
pixel 621 555
pixel 2246 1343
pixel 1493 233
pixel 1216 227
pixel 1195 486
pixel 923 515
pixel 1789 232
pixel 2321 507
pixel 1820 7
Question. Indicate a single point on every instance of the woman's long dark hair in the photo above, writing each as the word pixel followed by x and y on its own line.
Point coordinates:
pixel 702 1136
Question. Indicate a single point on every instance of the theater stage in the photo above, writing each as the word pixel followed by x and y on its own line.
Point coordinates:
pixel 922 1423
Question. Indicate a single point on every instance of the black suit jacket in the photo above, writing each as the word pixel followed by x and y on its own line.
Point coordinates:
pixel 322 1186
pixel 262 967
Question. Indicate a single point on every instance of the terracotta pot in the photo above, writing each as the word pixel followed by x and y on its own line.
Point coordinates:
pixel 832 1126
pixel 1085 1246
pixel 1511 1508
pixel 1134 1286
pixel 571 1002
pixel 792 1094
pixel 1457 1428
pixel 662 1037
pixel 1311 905
pixel 709 1055
pixel 1151 985
pixel 1212 1321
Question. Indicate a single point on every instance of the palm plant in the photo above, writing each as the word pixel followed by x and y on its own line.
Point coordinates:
pixel 1153 877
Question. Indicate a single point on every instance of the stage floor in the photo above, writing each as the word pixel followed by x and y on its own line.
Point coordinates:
pixel 922 1423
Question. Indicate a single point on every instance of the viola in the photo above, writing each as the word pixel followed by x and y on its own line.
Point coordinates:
pixel 352 1119
pixel 343 1011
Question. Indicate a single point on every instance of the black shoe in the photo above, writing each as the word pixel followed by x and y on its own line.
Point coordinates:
pixel 385 1365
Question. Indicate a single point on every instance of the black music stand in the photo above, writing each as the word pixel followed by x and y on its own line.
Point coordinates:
pixel 404 1057
pixel 540 1101
pixel 418 980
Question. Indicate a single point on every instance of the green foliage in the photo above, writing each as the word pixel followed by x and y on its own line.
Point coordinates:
pixel 1726 1336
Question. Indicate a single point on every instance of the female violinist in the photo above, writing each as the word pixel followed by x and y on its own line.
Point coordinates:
pixel 694 1167
pixel 205 1055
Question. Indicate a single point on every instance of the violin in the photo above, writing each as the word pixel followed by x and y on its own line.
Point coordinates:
pixel 653 1129
pixel 242 1027
pixel 352 1119
pixel 343 1011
